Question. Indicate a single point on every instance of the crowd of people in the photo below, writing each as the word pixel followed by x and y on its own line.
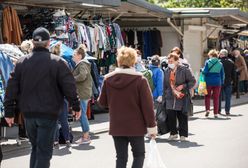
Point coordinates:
pixel 44 88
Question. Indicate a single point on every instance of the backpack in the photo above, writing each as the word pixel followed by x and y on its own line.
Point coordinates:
pixel 148 75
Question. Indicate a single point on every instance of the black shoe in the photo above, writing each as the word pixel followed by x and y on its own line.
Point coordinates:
pixel 227 113
pixel 68 144
pixel 56 145
pixel 207 114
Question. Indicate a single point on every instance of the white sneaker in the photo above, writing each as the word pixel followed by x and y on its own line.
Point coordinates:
pixel 82 140
pixel 173 137
pixel 182 138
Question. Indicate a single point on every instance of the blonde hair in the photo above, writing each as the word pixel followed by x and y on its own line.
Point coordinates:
pixel 81 50
pixel 27 46
pixel 126 56
pixel 213 53
pixel 56 49
pixel 174 56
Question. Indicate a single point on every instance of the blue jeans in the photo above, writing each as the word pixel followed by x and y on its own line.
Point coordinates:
pixel 63 120
pixel 84 120
pixel 41 135
pixel 226 92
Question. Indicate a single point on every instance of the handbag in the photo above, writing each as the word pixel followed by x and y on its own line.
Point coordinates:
pixel 188 107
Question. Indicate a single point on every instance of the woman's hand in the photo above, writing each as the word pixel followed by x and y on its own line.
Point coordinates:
pixel 179 88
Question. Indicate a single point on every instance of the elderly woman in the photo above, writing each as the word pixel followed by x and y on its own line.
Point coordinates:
pixel 127 95
pixel 178 80
pixel 214 77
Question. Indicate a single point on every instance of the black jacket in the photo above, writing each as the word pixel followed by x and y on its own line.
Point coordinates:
pixel 38 85
pixel 229 69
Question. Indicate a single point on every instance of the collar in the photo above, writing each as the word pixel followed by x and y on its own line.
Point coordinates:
pixel 39 49
pixel 128 71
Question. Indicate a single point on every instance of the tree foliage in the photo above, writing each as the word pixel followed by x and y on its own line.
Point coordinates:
pixel 242 4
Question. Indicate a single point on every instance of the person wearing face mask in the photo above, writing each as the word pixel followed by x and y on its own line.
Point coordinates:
pixel 214 77
pixel 242 70
pixel 138 65
pixel 157 78
pixel 178 80
pixel 182 60
pixel 84 83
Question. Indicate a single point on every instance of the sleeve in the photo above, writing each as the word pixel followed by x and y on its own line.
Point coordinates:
pixel 103 100
pixel 243 64
pixel 205 68
pixel 12 92
pixel 147 107
pixel 81 76
pixel 222 73
pixel 160 83
pixel 67 84
pixel 190 79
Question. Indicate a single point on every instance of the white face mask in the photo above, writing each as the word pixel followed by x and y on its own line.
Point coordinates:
pixel 139 59
pixel 171 66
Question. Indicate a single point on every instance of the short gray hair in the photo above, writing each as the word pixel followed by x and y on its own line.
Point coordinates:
pixel 224 52
pixel 40 44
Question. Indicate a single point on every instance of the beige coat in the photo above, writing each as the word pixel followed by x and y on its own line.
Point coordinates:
pixel 83 79
pixel 242 68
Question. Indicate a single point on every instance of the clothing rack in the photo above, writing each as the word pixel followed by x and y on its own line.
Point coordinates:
pixel 139 28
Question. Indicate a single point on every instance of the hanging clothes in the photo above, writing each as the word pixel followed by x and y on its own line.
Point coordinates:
pixel 6 66
pixel 12 31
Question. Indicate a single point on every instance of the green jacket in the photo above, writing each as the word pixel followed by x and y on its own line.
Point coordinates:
pixel 83 79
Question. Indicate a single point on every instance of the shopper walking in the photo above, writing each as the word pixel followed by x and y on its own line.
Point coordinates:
pixel 242 71
pixel 63 117
pixel 214 77
pixel 82 75
pixel 157 78
pixel 37 87
pixel 226 90
pixel 127 95
pixel 178 82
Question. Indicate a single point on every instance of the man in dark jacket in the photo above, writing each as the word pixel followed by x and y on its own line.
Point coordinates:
pixel 226 91
pixel 37 86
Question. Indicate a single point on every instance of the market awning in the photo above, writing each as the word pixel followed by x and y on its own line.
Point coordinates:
pixel 227 16
pixel 142 10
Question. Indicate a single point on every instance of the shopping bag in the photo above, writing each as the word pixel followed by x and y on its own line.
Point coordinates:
pixel 161 118
pixel 202 88
pixel 153 159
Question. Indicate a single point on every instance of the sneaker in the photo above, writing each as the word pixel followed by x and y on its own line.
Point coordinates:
pixel 68 144
pixel 56 145
pixel 81 141
pixel 207 114
pixel 227 113
pixel 173 137
pixel 216 116
pixel 182 138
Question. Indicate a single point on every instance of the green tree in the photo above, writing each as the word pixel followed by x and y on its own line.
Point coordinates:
pixel 242 4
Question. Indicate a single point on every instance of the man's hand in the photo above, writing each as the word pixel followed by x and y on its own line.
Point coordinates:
pixel 77 114
pixel 10 121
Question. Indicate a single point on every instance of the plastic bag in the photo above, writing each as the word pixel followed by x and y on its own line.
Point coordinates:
pixel 202 88
pixel 153 159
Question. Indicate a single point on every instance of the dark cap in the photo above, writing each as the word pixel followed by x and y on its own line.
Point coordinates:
pixel 41 34
pixel 155 60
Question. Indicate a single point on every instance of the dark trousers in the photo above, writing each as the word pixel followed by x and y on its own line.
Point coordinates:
pixel 1 155
pixel 215 90
pixel 63 120
pixel 41 135
pixel 243 86
pixel 173 115
pixel 226 92
pixel 138 149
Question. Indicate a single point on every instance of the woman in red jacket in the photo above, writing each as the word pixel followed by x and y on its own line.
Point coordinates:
pixel 127 95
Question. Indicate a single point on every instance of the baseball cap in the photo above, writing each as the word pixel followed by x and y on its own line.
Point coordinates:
pixel 41 34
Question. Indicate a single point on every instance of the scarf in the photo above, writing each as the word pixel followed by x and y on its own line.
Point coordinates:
pixel 177 94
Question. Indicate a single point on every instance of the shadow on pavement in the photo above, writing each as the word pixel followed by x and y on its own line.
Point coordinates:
pixel 232 115
pixel 61 152
pixel 83 147
pixel 12 150
pixel 220 119
pixel 179 144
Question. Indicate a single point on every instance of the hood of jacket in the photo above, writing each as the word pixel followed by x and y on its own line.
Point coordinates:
pixel 121 78
pixel 84 61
